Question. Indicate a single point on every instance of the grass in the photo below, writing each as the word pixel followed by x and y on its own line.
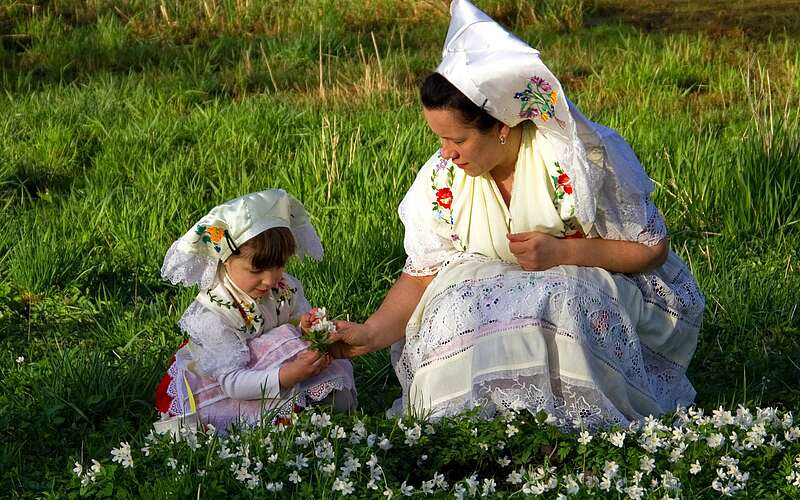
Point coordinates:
pixel 124 123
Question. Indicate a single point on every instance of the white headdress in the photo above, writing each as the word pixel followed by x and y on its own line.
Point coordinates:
pixel 194 257
pixel 503 75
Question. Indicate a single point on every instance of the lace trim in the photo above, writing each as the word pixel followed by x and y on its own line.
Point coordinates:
pixel 412 269
pixel 564 305
pixel 320 391
pixel 189 269
pixel 655 230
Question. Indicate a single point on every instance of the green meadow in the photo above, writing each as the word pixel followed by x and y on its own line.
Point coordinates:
pixel 121 123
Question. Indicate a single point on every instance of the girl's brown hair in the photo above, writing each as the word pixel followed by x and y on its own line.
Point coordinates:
pixel 270 248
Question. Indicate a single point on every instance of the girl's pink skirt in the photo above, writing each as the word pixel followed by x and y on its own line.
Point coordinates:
pixel 184 391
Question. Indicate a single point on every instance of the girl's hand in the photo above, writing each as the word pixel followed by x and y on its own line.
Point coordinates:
pixel 536 251
pixel 309 319
pixel 350 340
pixel 306 365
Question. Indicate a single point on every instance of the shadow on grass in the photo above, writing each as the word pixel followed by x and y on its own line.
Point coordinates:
pixel 76 402
pixel 716 18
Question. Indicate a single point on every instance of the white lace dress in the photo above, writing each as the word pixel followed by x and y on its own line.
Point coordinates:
pixel 591 347
pixel 229 374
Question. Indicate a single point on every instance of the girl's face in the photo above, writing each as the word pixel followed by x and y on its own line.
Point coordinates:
pixel 470 149
pixel 254 282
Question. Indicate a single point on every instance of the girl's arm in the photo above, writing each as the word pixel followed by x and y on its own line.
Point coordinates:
pixel 245 384
pixel 386 325
pixel 537 251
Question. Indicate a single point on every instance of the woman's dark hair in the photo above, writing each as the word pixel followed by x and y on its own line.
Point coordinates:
pixel 270 248
pixel 436 92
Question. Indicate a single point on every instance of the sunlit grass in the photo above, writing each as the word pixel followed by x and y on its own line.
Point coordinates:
pixel 122 125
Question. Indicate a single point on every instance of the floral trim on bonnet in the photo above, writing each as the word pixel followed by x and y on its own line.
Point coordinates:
pixel 211 235
pixel 538 101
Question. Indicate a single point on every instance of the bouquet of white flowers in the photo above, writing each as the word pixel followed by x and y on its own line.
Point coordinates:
pixel 317 333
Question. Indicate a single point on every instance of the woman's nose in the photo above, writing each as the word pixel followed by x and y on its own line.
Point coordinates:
pixel 449 152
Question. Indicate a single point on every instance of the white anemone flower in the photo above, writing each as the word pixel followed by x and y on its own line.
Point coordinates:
pixel 617 439
pixel 406 489
pixel 647 464
pixel 514 478
pixel 323 420
pixel 343 486
pixel 384 443
pixel 715 440
pixel 413 434
pixel 122 455
pixel 489 487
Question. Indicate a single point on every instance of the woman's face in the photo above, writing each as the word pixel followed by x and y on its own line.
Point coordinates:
pixel 470 149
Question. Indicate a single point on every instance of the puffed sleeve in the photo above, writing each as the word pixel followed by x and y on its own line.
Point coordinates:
pixel 219 352
pixel 425 247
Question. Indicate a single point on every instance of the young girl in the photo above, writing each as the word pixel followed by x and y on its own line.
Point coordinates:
pixel 245 356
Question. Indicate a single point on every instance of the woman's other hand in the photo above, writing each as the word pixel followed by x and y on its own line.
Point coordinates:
pixel 306 365
pixel 535 251
pixel 350 340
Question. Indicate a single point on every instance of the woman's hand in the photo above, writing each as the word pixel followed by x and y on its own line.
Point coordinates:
pixel 306 365
pixel 350 340
pixel 535 251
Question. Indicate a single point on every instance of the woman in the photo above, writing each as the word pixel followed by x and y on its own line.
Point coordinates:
pixel 538 275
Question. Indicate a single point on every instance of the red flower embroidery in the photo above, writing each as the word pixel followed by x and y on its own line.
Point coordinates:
pixel 444 197
pixel 574 236
pixel 564 182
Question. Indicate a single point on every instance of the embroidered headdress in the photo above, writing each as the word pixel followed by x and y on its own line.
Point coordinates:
pixel 194 257
pixel 504 76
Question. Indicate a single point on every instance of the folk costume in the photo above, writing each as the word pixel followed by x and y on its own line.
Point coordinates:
pixel 227 371
pixel 591 347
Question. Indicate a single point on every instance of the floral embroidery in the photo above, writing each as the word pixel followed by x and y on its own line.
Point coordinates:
pixel 442 207
pixel 538 100
pixel 211 234
pixel 215 299
pixel 283 293
pixel 562 183
pixel 252 321
pixel 444 197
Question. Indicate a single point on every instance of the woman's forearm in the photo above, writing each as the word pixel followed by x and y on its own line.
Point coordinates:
pixel 614 255
pixel 387 325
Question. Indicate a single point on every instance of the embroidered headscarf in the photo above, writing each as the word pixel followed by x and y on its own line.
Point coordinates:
pixel 194 258
pixel 503 75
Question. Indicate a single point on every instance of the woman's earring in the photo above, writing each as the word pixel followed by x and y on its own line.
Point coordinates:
pixel 502 139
